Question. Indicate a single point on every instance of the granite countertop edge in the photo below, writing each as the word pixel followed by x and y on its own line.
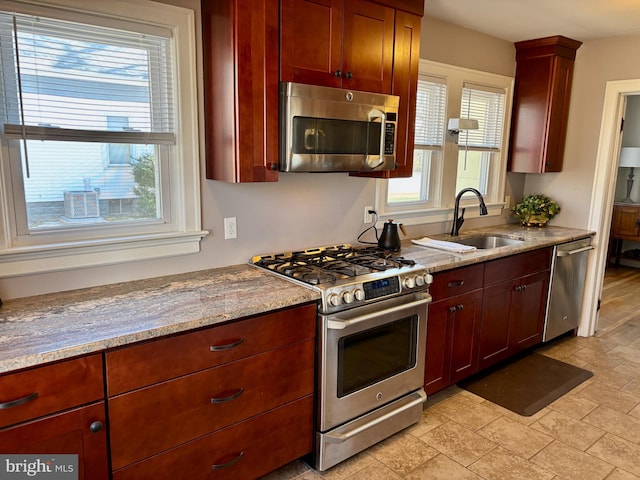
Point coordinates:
pixel 47 328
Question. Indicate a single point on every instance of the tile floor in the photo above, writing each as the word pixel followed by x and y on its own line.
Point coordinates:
pixel 593 432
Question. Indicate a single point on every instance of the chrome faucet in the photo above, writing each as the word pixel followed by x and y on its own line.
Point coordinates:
pixel 458 221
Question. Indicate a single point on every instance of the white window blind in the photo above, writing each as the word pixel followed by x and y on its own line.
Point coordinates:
pixel 430 111
pixel 59 78
pixel 486 105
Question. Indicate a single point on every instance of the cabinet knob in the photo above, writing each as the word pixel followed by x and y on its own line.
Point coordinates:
pixel 337 73
pixel 460 307
pixel 452 309
pixel 96 426
pixel 349 75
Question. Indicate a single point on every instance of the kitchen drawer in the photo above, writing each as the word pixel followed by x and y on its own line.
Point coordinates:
pixel 455 282
pixel 248 449
pixel 39 391
pixel 153 419
pixel 137 366
pixel 508 268
pixel 80 431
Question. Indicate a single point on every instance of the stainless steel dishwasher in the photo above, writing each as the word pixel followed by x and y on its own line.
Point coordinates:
pixel 568 272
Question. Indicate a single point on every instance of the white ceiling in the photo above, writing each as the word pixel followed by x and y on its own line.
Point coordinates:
pixel 516 20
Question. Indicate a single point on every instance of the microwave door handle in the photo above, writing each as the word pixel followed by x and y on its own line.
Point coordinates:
pixel 377 116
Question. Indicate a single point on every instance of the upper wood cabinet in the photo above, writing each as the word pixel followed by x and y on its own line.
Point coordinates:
pixel 544 73
pixel 337 44
pixel 406 58
pixel 240 58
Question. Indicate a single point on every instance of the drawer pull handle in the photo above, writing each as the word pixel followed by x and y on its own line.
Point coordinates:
pixel 230 463
pixel 226 346
pixel 19 401
pixel 459 283
pixel 228 398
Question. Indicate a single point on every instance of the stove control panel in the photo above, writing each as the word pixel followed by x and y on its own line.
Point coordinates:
pixel 351 295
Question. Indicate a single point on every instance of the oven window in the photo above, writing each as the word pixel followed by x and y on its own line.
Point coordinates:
pixel 373 355
pixel 342 137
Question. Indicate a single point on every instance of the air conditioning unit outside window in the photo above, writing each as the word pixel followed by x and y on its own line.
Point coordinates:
pixel 81 204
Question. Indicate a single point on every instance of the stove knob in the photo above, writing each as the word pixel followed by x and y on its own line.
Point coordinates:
pixel 359 294
pixel 347 297
pixel 409 282
pixel 334 299
pixel 419 280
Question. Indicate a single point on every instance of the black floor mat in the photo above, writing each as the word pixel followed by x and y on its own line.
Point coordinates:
pixel 527 384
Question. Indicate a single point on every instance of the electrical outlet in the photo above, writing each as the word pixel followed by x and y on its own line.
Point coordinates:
pixel 230 230
pixel 507 202
pixel 368 218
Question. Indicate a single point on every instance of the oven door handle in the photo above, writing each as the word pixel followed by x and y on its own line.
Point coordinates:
pixel 343 437
pixel 342 323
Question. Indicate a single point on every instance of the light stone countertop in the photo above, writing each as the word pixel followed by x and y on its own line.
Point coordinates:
pixel 45 328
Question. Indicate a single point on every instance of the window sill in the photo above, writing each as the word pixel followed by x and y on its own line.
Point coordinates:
pixel 90 253
pixel 438 215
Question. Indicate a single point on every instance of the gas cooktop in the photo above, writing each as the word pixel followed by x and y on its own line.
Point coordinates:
pixel 347 275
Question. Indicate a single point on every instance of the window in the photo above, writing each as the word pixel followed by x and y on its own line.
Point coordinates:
pixel 429 142
pixel 443 163
pixel 93 150
pixel 477 149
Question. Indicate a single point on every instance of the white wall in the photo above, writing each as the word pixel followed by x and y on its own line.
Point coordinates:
pixel 299 211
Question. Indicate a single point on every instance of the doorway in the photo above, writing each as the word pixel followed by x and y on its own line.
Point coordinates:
pixel 602 197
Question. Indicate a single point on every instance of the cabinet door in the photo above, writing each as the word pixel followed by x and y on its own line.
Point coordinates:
pixel 65 433
pixel 438 354
pixel 528 304
pixel 626 221
pixel 561 75
pixel 367 46
pixel 406 56
pixel 240 60
pixel 493 343
pixel 464 335
pixel 452 340
pixel 311 42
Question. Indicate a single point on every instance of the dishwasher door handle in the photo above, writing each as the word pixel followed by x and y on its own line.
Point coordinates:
pixel 562 253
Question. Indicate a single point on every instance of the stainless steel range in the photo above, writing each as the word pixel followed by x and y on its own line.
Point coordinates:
pixel 372 326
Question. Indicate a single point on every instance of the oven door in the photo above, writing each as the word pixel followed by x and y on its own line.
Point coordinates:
pixel 370 356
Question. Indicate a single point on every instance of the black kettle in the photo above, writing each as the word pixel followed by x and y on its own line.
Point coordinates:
pixel 390 239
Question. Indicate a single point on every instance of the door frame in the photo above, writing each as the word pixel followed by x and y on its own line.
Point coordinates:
pixel 602 195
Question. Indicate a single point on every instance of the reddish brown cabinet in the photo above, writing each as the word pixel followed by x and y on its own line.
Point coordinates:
pixel 544 74
pixel 240 59
pixel 514 305
pixel 406 58
pixel 453 327
pixel 218 398
pixel 336 43
pixel 57 409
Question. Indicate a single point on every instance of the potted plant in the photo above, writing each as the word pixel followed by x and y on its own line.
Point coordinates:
pixel 535 210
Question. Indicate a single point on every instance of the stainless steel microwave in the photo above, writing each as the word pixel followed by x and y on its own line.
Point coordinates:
pixel 325 129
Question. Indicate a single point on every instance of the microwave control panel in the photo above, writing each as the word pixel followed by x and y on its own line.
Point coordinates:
pixel 389 138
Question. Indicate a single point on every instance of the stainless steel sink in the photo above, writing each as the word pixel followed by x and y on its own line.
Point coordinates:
pixel 488 241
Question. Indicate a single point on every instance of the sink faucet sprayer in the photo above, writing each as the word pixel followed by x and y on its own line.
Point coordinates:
pixel 458 221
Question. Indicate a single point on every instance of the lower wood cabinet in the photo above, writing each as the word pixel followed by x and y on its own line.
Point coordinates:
pixel 483 314
pixel 452 327
pixel 245 450
pixel 57 409
pixel 81 431
pixel 237 401
pixel 514 305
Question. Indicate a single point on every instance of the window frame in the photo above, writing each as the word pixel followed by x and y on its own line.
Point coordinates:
pixel 181 233
pixel 440 209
